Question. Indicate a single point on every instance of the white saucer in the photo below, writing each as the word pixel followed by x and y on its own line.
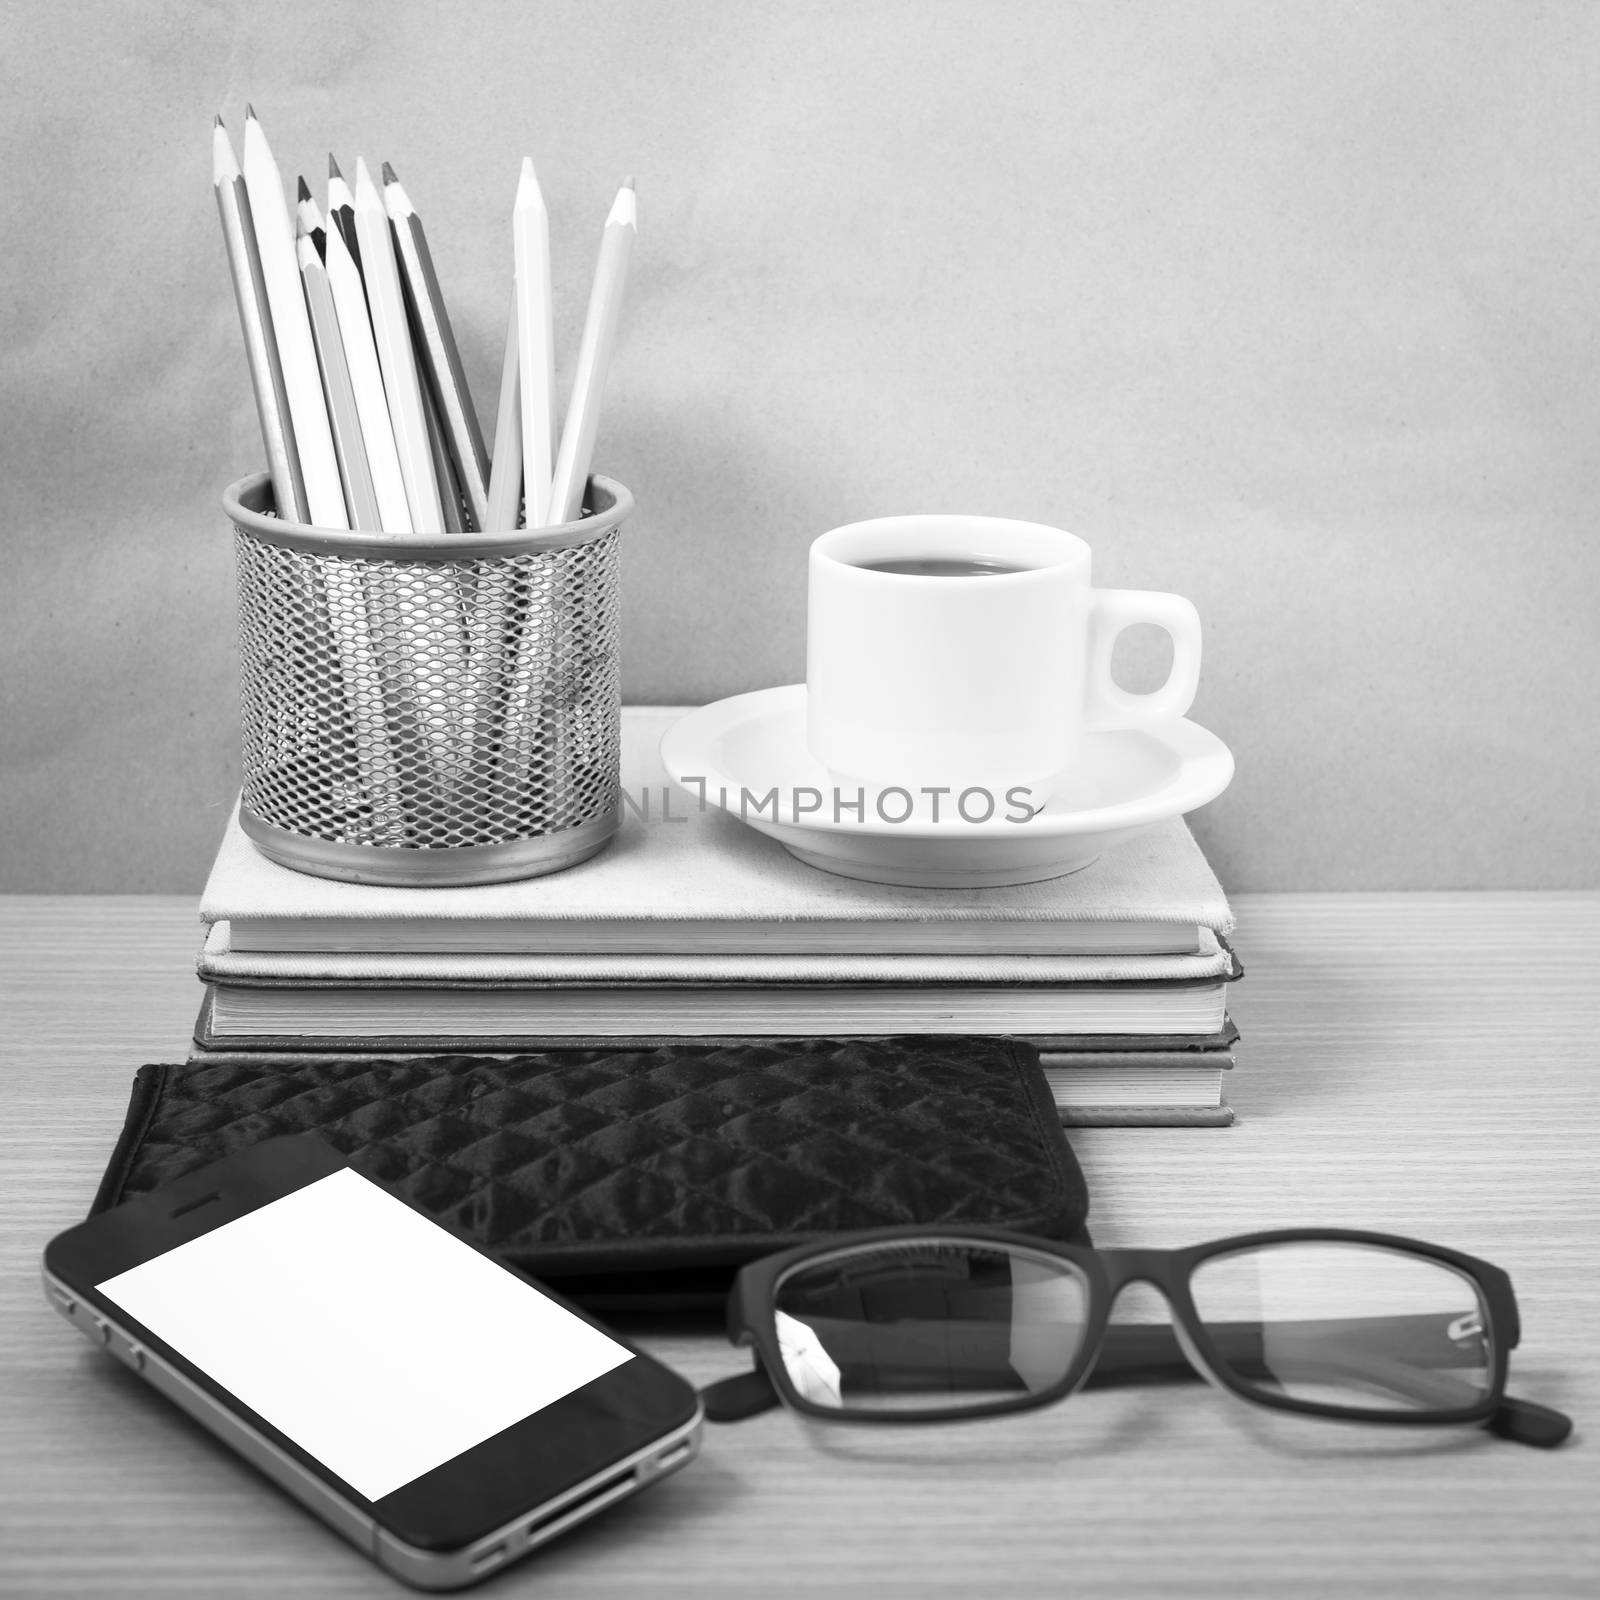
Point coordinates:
pixel 742 748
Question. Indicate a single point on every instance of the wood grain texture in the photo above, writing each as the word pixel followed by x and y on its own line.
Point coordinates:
pixel 1425 1064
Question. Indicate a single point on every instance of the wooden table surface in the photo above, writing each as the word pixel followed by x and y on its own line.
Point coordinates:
pixel 1421 1064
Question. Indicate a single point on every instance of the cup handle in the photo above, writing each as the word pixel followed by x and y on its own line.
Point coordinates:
pixel 1111 610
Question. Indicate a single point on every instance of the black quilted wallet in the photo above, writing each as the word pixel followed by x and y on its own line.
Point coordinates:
pixel 645 1177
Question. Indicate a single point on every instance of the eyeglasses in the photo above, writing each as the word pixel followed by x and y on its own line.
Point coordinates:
pixel 912 1325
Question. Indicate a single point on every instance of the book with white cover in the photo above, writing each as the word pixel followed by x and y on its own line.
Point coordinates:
pixel 220 963
pixel 381 1015
pixel 683 878
pixel 1153 1080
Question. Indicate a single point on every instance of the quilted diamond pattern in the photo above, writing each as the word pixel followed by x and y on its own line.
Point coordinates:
pixel 639 1159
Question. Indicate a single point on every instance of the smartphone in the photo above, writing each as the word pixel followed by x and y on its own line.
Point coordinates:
pixel 441 1411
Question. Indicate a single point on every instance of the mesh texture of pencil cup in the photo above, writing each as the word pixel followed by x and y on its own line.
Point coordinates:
pixel 428 710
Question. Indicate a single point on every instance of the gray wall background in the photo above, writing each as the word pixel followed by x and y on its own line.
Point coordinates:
pixel 1287 307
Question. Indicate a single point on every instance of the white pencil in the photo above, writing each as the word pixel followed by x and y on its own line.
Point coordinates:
pixel 349 584
pixel 392 336
pixel 255 318
pixel 342 210
pixel 530 238
pixel 366 379
pixel 594 358
pixel 302 381
pixel 490 641
pixel 505 472
pixel 307 221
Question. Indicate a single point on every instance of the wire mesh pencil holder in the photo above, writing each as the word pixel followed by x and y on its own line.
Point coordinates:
pixel 428 710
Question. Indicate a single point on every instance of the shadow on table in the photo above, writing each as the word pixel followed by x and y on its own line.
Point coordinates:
pixel 1320 1439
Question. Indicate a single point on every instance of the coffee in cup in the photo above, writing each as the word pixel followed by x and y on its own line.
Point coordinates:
pixel 943 567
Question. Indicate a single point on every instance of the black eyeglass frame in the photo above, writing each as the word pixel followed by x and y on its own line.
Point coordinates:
pixel 753 1300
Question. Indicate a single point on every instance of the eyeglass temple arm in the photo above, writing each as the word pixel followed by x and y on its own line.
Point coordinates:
pixel 1527 1422
pixel 745 1394
pixel 1139 1353
pixel 1145 1353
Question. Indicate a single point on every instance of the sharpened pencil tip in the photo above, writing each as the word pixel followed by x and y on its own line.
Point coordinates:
pixel 250 113
pixel 302 189
pixel 388 174
pixel 530 197
pixel 224 163
pixel 624 210
pixel 333 167
pixel 627 183
pixel 369 197
pixel 217 121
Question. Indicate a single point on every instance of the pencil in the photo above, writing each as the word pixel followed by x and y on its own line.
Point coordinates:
pixel 431 626
pixel 393 339
pixel 530 237
pixel 255 318
pixel 505 478
pixel 291 326
pixel 594 357
pixel 308 221
pixel 366 381
pixel 444 470
pixel 349 595
pixel 436 344
pixel 364 594
pixel 342 210
pixel 489 634
pixel 361 500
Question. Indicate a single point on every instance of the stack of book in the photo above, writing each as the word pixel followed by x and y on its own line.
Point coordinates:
pixel 693 926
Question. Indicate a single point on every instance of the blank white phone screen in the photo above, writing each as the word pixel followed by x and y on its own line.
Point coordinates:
pixel 381 1344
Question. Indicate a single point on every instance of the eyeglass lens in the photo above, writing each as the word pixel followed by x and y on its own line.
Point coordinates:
pixel 1356 1326
pixel 935 1326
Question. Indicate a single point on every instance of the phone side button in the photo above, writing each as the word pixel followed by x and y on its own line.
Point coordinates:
pixel 102 1330
pixel 61 1300
pixel 675 1457
pixel 133 1354
pixel 492 1557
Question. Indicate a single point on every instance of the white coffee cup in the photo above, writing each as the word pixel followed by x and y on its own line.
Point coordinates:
pixel 952 678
